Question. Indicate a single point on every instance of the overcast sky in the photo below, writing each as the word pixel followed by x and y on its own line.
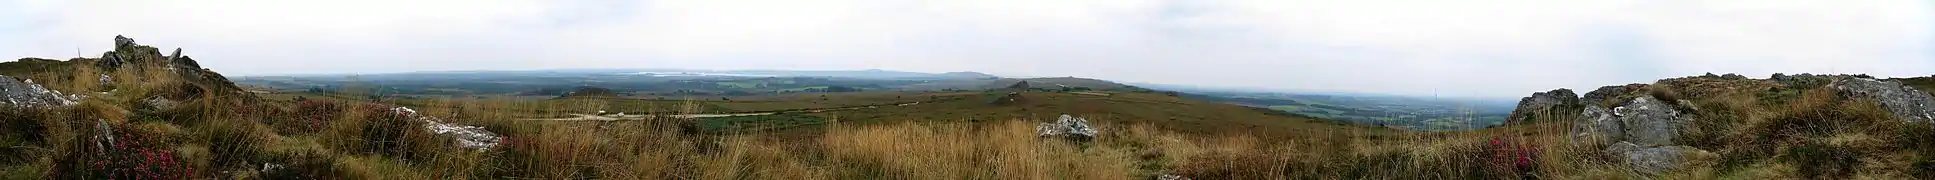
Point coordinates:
pixel 1481 48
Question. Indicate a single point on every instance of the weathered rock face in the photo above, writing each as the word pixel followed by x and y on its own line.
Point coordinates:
pixel 19 93
pixel 1905 102
pixel 1643 120
pixel 1560 101
pixel 1070 127
pixel 1655 161
pixel 1597 125
pixel 1641 132
pixel 1649 122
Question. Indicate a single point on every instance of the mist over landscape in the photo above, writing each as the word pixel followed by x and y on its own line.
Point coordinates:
pixel 985 89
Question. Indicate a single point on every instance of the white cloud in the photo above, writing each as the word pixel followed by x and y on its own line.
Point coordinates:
pixel 1493 48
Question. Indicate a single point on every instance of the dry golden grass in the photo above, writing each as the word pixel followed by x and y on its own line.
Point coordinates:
pixel 1816 134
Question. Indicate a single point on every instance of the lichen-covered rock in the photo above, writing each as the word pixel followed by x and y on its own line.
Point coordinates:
pixel 1555 102
pixel 1649 122
pixel 1654 161
pixel 24 93
pixel 1597 125
pixel 1070 127
pixel 472 137
pixel 1905 102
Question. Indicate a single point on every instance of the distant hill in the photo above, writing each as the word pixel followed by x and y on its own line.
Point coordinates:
pixel 968 75
pixel 1039 83
pixel 859 74
pixel 588 91
pixel 1413 113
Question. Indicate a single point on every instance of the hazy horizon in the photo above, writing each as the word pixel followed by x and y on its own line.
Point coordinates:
pixel 1486 48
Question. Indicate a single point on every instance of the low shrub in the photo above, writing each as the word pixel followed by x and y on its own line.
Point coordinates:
pixel 381 130
pixel 312 116
pixel 123 153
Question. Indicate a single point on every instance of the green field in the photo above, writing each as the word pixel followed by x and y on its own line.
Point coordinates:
pixel 759 123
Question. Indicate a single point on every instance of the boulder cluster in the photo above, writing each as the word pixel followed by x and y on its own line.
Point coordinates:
pixel 1641 132
pixel 1639 129
pixel 1070 127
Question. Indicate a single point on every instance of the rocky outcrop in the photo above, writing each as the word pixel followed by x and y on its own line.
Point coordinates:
pixel 1542 104
pixel 1608 93
pixel 1905 102
pixel 24 93
pixel 1641 132
pixel 472 137
pixel 197 80
pixel 1069 127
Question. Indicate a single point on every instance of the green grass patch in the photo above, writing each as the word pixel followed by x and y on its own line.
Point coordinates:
pixel 758 123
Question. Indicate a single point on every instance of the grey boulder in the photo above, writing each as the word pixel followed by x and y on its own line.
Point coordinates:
pixel 1649 122
pixel 1905 102
pixel 1067 126
pixel 24 93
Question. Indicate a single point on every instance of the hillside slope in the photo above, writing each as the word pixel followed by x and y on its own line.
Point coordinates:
pixel 135 114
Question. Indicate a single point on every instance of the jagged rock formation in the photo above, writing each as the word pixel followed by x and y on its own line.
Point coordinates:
pixel 1070 127
pixel 1905 102
pixel 1560 101
pixel 24 93
pixel 194 79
